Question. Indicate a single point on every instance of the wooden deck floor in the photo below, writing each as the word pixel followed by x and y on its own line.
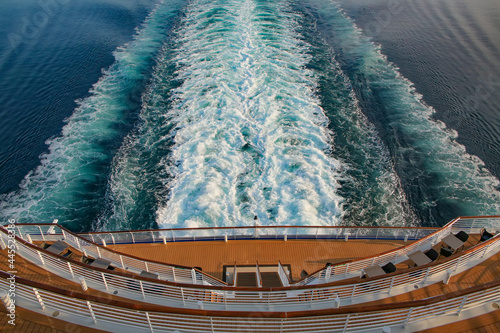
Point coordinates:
pixel 212 256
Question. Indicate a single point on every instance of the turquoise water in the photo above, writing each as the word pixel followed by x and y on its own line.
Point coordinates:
pixel 218 111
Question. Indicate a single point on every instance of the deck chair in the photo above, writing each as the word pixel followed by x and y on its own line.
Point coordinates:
pixel 68 254
pixel 432 254
pixel 463 236
pixel 485 235
pixel 389 268
pixel 445 251
pixel 87 260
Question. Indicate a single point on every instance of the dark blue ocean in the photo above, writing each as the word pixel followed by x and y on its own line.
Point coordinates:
pixel 119 115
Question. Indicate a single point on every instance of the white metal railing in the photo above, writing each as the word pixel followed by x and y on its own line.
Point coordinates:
pixel 42 232
pixel 285 281
pixel 258 275
pixel 312 296
pixel 354 268
pixel 135 265
pixel 335 273
pixel 260 232
pixel 109 317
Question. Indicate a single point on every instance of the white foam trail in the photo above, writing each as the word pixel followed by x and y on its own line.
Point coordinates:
pixel 250 136
pixel 55 189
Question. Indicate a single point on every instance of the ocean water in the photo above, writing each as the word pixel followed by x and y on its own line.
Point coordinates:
pixel 125 115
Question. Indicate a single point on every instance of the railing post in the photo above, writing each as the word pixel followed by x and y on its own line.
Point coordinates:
pixel 447 277
pixel 328 273
pixel 41 233
pixel 353 292
pixel 142 289
pixel 426 275
pixel 146 266
pixel 392 283
pixel 3 246
pixel 462 305
pixel 347 322
pixel 91 312
pixel 83 283
pixel 78 244
pixel 113 239
pixel 70 269
pixel 39 298
pixel 104 280
pixel 6 300
pixel 41 257
pixel 346 268
pixel 182 295
pixel 458 263
pixel 485 250
pixel 336 302
pixel 149 322
pixel 121 260
pixel 408 317
pixel 193 275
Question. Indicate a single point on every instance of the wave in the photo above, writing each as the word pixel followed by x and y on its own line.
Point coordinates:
pixel 249 136
pixel 440 179
pixel 68 183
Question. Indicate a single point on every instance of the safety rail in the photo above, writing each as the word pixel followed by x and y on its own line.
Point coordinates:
pixel 428 237
pixel 258 275
pixel 235 275
pixel 114 316
pixel 257 232
pixel 354 268
pixel 268 299
pixel 285 280
pixel 54 232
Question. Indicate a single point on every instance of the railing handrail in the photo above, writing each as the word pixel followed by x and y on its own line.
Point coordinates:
pixel 352 267
pixel 261 227
pixel 272 314
pixel 118 312
pixel 119 258
pixel 276 295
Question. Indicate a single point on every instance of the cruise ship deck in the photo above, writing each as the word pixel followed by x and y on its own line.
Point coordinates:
pixel 324 279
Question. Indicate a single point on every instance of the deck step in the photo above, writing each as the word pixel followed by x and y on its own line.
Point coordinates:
pixel 271 279
pixel 246 279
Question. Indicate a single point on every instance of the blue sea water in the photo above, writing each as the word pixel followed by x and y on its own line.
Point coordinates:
pixel 124 115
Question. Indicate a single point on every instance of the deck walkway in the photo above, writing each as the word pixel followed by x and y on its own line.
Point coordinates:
pixel 212 256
